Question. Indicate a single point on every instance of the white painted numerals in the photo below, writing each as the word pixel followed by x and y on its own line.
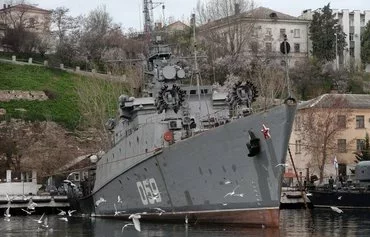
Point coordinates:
pixel 148 191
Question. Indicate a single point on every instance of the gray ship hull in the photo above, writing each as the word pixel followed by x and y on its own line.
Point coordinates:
pixel 206 178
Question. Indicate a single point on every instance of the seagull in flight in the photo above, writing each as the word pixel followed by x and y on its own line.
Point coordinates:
pixel 233 193
pixel 7 213
pixel 69 182
pixel 61 213
pixel 159 210
pixel 340 198
pixel 101 200
pixel 116 213
pixel 119 200
pixel 64 219
pixel 70 212
pixel 135 219
pixel 284 165
pixel 45 224
pixel 9 199
pixel 126 226
pixel 31 205
pixel 28 212
pixel 336 209
pixel 40 220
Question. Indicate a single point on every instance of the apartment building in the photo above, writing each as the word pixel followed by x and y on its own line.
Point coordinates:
pixel 269 28
pixel 353 121
pixel 353 23
pixel 31 17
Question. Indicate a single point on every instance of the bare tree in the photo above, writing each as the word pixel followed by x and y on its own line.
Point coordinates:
pixel 270 80
pixel 322 122
pixel 226 27
pixel 63 24
pixel 98 101
pixel 23 27
pixel 93 39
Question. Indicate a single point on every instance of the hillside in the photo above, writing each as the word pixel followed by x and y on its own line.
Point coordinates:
pixel 49 116
pixel 63 105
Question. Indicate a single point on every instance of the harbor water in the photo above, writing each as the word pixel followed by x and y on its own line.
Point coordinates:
pixel 295 223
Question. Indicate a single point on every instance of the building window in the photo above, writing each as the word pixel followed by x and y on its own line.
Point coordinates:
pixel 296 48
pixel 268 47
pixel 352 52
pixel 351 36
pixel 255 32
pixel 268 31
pixel 360 144
pixel 254 46
pixel 282 33
pixel 297 33
pixel 342 146
pixel 298 146
pixel 360 121
pixel 341 121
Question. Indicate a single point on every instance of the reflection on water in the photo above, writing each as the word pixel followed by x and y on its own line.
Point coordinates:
pixel 312 223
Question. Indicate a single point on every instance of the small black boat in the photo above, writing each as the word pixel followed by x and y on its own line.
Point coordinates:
pixel 354 194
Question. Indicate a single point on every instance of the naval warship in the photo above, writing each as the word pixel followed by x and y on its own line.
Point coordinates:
pixel 190 153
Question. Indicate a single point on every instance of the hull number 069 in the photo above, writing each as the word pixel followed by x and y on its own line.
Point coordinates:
pixel 148 191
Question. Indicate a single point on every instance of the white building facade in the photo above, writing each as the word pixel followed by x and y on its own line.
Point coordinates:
pixel 353 23
pixel 269 28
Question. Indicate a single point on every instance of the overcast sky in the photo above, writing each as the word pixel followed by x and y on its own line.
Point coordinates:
pixel 129 12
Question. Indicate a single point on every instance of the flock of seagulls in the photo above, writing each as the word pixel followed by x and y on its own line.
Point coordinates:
pixel 43 220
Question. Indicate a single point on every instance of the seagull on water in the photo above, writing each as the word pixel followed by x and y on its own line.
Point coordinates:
pixel 28 212
pixel 135 219
pixel 336 209
pixel 7 213
pixel 126 226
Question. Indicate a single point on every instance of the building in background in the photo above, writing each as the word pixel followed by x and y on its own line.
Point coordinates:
pixel 353 119
pixel 269 28
pixel 353 24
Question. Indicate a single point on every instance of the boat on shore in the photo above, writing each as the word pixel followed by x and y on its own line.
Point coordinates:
pixel 189 153
pixel 351 195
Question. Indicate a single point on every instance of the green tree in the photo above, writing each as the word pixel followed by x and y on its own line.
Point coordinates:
pixel 364 154
pixel 365 44
pixel 324 31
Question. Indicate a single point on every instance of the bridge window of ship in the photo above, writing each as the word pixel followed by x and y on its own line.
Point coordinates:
pixel 193 92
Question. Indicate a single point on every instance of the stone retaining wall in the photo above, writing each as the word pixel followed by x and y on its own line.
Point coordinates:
pixel 8 95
